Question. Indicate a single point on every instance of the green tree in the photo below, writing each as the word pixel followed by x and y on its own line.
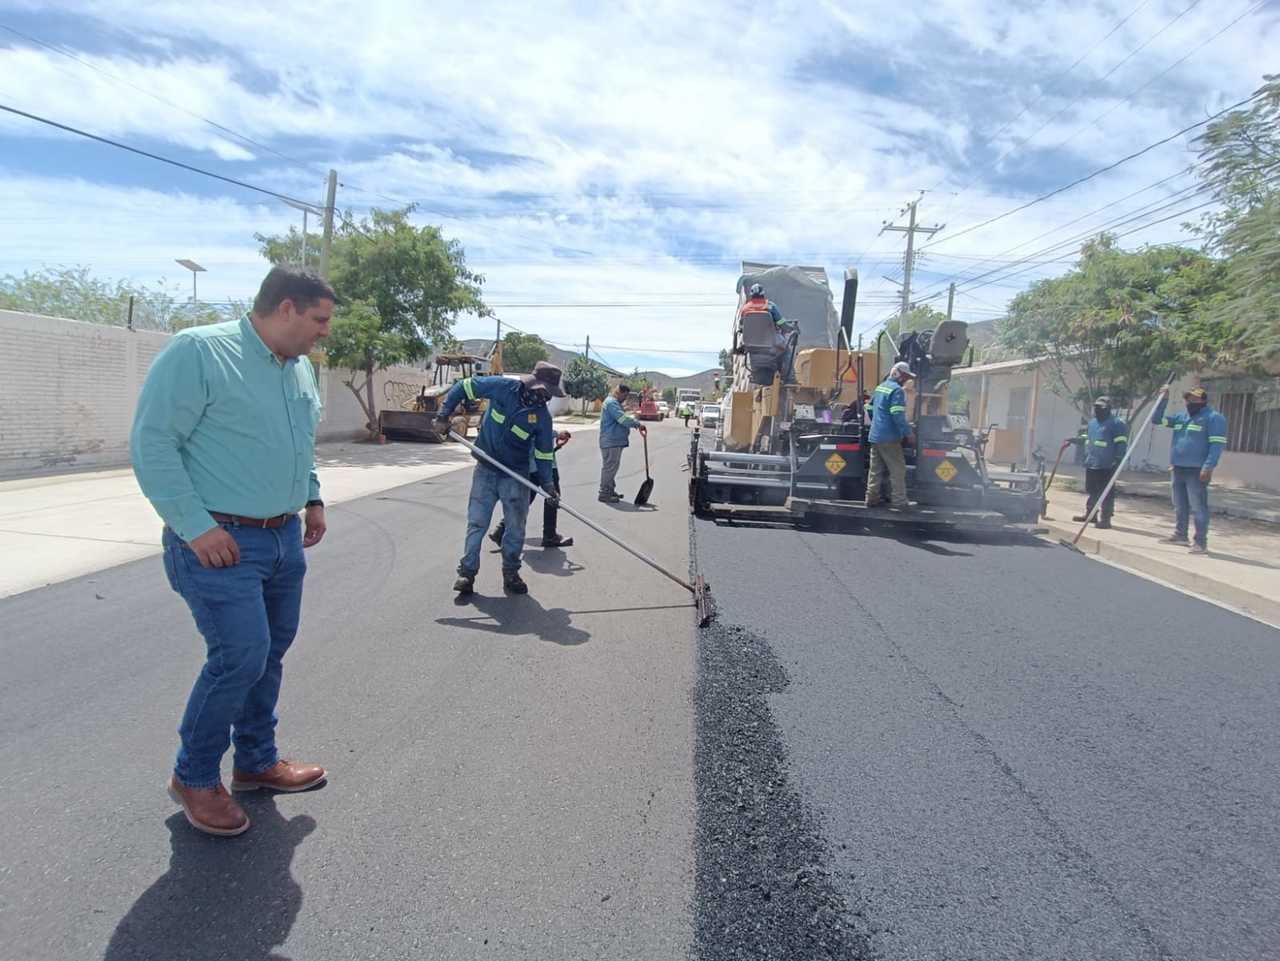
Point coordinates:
pixel 586 381
pixel 1118 323
pixel 521 351
pixel 638 382
pixel 1240 161
pixel 726 364
pixel 919 317
pixel 75 293
pixel 669 395
pixel 401 289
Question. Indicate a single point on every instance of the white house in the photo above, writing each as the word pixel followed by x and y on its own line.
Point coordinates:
pixel 1017 397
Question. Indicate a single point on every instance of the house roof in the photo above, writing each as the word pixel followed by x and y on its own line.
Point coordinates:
pixel 1001 367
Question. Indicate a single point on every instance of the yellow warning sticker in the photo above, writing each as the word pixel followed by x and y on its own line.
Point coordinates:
pixel 836 463
pixel 946 470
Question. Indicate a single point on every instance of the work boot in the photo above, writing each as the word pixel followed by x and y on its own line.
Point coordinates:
pixel 609 498
pixel 1198 549
pixel 1104 524
pixel 1174 539
pixel 497 534
pixel 512 583
pixel 287 776
pixel 465 584
pixel 209 809
pixel 555 540
pixel 1080 518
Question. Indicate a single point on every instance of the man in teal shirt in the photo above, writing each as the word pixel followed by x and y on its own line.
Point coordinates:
pixel 223 445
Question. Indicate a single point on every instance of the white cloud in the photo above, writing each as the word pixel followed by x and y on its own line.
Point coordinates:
pixel 650 138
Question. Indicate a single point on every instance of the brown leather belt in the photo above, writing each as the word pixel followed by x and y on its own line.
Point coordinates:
pixel 270 522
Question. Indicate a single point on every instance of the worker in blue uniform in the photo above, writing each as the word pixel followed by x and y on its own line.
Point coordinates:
pixel 1105 442
pixel 516 428
pixel 889 431
pixel 1199 438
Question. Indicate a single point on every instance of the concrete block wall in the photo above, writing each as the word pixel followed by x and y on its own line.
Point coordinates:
pixel 68 391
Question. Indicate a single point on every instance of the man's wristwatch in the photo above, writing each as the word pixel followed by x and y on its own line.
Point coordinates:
pixel 315 503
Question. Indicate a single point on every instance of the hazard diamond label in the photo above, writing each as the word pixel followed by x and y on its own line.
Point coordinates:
pixel 835 463
pixel 946 470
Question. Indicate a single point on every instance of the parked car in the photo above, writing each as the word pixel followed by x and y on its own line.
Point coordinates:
pixel 664 408
pixel 710 416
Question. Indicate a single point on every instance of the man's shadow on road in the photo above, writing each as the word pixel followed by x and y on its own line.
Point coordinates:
pixel 515 617
pixel 221 898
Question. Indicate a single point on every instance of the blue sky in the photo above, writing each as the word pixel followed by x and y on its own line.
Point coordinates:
pixel 607 166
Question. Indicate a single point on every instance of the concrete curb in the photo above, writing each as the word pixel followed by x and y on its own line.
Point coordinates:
pixel 1258 606
pixel 1261 515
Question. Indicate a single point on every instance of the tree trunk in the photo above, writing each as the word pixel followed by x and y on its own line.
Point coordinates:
pixel 370 410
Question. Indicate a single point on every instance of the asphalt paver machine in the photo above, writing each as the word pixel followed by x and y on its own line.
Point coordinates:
pixel 809 454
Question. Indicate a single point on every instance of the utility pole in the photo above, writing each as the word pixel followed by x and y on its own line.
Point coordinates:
pixel 951 299
pixel 909 260
pixel 330 196
pixel 586 353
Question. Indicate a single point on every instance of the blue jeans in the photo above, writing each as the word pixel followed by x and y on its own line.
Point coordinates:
pixel 488 486
pixel 248 615
pixel 1190 498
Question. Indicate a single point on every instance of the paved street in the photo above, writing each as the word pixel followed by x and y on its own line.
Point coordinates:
pixel 883 748
pixel 509 777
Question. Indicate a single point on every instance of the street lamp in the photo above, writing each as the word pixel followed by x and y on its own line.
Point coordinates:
pixel 306 209
pixel 195 268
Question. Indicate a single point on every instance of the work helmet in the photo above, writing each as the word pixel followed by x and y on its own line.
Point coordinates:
pixel 757 290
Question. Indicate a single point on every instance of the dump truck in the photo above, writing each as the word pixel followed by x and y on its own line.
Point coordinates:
pixel 793 440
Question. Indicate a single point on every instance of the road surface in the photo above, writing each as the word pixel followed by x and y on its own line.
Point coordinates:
pixel 883 748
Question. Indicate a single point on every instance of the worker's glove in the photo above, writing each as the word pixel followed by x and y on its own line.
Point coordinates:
pixel 552 494
pixel 443 424
pixel 1206 475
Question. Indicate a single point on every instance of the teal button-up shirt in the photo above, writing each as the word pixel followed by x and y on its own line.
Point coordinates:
pixel 223 425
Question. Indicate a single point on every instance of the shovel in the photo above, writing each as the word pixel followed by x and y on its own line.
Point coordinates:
pixel 642 496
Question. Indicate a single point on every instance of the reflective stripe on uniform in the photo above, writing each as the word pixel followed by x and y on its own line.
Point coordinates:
pixel 1099 443
pixel 897 409
pixel 1177 426
pixel 1122 440
pixel 543 455
pixel 469 390
pixel 1196 427
pixel 884 389
pixel 519 432
pixel 1214 439
pixel 497 418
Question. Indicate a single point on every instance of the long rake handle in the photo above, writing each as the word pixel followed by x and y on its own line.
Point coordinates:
pixel 1115 475
pixel 572 513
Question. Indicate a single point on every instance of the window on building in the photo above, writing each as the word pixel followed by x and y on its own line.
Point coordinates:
pixel 1253 421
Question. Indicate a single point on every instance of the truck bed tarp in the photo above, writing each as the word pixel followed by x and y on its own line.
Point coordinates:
pixel 802 294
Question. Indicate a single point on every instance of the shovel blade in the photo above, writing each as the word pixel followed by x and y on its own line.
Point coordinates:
pixel 646 488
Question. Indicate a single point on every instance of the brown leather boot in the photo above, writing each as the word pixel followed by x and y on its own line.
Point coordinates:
pixel 211 809
pixel 287 776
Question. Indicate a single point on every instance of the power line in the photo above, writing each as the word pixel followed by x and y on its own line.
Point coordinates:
pixel 166 160
pixel 1044 92
pixel 1097 173
pixel 1071 103
pixel 1181 60
pixel 155 96
pixel 962 276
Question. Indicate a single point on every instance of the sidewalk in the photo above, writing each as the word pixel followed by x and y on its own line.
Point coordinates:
pixel 55 528
pixel 1241 571
pixel 1223 501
